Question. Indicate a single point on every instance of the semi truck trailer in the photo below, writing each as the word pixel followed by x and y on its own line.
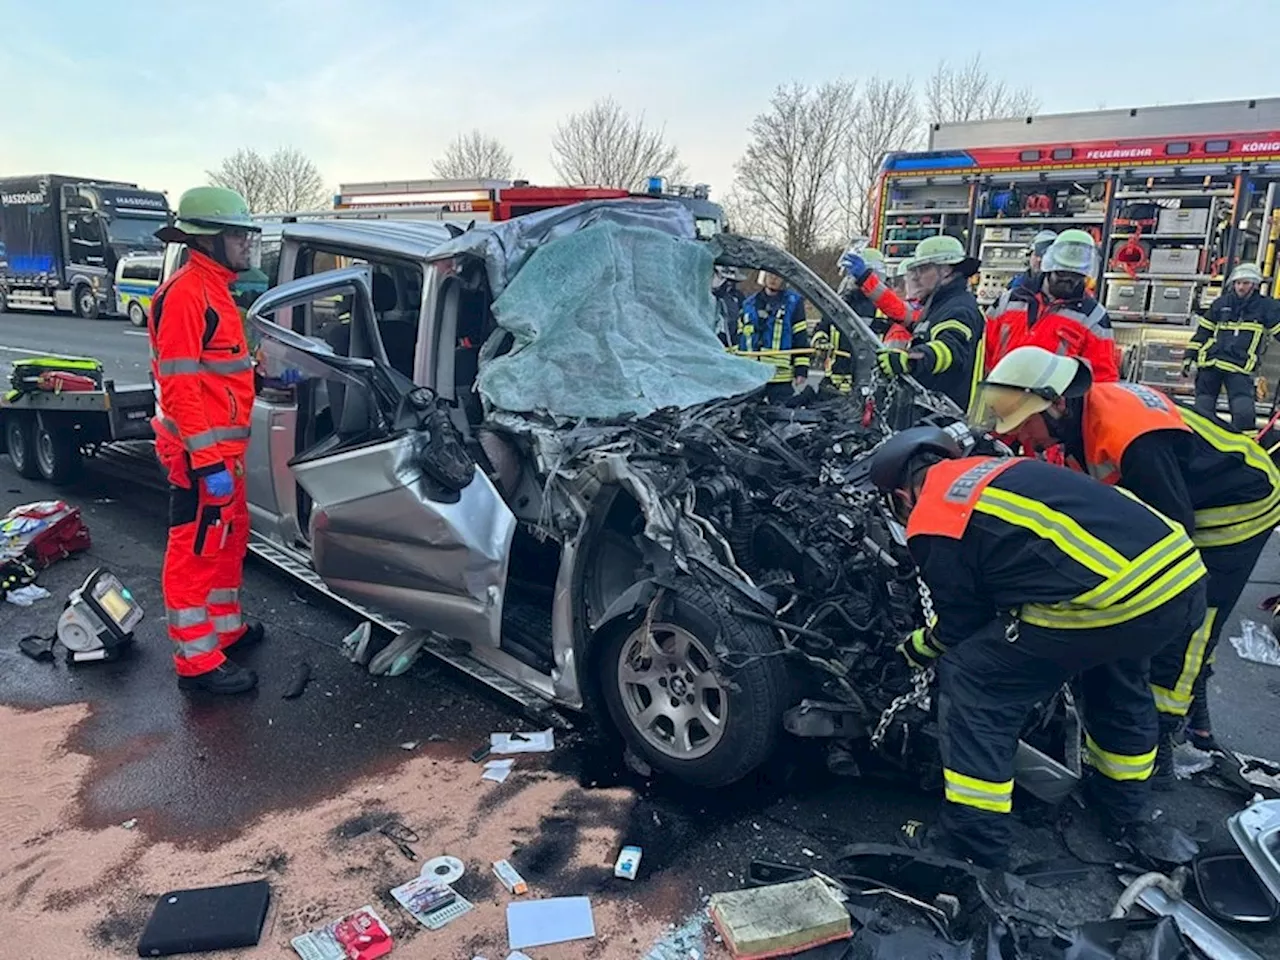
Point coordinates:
pixel 63 237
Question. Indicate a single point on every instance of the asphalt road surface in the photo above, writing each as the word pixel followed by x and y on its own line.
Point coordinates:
pixel 121 348
pixel 197 775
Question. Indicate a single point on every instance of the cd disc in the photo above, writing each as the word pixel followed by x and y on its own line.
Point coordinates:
pixel 443 870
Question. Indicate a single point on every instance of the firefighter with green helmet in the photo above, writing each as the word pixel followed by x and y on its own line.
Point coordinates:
pixel 203 375
pixel 945 352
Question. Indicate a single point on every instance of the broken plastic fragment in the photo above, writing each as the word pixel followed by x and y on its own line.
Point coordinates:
pixel 355 645
pixel 543 742
pixel 1188 761
pixel 1257 643
pixel 497 770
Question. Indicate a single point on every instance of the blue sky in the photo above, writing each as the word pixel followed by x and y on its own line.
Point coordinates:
pixel 159 92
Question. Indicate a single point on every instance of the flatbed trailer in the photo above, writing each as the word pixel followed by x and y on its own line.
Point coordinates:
pixel 47 435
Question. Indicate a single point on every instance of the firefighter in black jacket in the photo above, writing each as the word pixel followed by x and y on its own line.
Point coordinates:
pixel 945 353
pixel 1229 343
pixel 1222 487
pixel 1036 576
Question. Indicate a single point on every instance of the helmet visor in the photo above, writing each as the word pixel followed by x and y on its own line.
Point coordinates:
pixel 1004 409
pixel 1071 257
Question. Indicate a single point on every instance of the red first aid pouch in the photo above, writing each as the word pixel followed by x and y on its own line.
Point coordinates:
pixel 48 531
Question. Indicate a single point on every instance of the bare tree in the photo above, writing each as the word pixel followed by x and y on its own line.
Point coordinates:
pixel 296 184
pixel 789 171
pixel 247 173
pixel 287 180
pixel 969 92
pixel 886 118
pixel 605 146
pixel 475 156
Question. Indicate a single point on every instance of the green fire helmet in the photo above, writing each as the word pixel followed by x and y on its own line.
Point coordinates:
pixel 206 212
pixel 1073 252
pixel 943 251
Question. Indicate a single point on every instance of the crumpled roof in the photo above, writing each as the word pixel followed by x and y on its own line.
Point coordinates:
pixel 611 318
pixel 506 246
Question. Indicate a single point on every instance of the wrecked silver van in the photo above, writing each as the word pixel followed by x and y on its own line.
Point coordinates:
pixel 527 439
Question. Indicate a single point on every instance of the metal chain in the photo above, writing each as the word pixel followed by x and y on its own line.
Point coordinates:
pixel 926 602
pixel 918 696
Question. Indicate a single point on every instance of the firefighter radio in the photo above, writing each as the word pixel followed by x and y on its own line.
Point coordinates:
pixel 99 618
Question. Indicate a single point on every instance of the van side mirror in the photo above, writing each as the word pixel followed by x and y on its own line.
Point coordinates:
pixel 1231 890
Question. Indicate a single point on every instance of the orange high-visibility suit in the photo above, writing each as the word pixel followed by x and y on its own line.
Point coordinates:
pixel 203 377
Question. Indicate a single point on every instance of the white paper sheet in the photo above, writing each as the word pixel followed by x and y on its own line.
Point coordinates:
pixel 536 923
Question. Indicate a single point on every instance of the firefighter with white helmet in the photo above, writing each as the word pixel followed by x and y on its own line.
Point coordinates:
pixel 1031 279
pixel 945 353
pixel 1228 345
pixel 1221 488
pixel 1060 315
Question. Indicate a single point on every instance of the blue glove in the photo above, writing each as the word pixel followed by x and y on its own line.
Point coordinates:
pixel 218 485
pixel 854 266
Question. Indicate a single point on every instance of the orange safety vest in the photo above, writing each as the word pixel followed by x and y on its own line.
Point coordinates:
pixel 1116 414
pixel 951 488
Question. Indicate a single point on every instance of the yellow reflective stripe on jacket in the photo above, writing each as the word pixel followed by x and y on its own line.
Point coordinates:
pixel 1070 616
pixel 1150 562
pixel 942 356
pixel 1119 766
pixel 968 791
pixel 1177 701
pixel 1222 526
pixel 946 325
pixel 781 360
pixel 1054 526
pixel 1129 589
pixel 1243 326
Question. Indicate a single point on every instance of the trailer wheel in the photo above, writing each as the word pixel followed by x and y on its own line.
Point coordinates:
pixel 57 451
pixel 86 303
pixel 137 316
pixel 18 440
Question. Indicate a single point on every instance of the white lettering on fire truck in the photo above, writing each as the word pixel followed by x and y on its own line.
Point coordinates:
pixel 1123 154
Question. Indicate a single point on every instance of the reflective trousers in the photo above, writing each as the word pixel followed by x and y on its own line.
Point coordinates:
pixel 203 570
pixel 1209 383
pixel 1181 671
pixel 988 686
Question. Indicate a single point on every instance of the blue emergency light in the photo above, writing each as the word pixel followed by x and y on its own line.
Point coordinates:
pixel 656 185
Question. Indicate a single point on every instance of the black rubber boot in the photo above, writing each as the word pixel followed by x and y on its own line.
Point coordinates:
pixel 1163 777
pixel 916 835
pixel 254 634
pixel 1199 729
pixel 224 680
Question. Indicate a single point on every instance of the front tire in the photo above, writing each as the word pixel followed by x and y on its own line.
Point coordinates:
pixel 57 451
pixel 18 438
pixel 86 303
pixel 707 723
pixel 137 316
